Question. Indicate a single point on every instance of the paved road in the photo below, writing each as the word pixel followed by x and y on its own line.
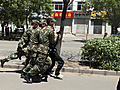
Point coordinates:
pixel 10 80
pixel 69 51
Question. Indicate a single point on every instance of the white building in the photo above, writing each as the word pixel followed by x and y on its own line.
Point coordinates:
pixel 80 23
pixel 77 22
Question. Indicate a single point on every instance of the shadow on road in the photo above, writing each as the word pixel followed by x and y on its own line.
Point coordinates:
pixel 15 71
pixel 83 41
pixel 34 79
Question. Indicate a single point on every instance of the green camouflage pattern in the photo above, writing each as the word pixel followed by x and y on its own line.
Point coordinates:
pixel 43 21
pixel 43 61
pixel 22 46
pixel 33 43
pixel 46 37
pixel 32 48
pixel 24 41
pixel 12 56
pixel 40 67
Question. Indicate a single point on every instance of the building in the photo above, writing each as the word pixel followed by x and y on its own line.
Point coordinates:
pixel 78 22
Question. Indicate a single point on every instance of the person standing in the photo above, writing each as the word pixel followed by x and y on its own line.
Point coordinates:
pixel 53 53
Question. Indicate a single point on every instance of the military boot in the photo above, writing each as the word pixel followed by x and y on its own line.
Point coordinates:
pixel 23 74
pixel 44 78
pixel 36 78
pixel 3 61
pixel 27 78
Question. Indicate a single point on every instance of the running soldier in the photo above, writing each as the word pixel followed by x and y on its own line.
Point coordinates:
pixel 22 47
pixel 40 60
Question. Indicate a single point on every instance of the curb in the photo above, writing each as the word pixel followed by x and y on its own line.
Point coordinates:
pixel 91 71
pixel 75 70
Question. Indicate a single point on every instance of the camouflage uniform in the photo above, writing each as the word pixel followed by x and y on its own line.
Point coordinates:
pixel 40 61
pixel 32 48
pixel 22 47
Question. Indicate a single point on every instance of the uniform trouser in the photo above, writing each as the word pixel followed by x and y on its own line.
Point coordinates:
pixel 55 57
pixel 15 56
pixel 12 56
pixel 38 65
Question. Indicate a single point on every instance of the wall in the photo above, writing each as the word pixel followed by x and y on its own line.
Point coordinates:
pixel 67 27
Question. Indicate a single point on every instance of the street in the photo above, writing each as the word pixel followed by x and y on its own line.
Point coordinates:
pixel 69 50
pixel 10 80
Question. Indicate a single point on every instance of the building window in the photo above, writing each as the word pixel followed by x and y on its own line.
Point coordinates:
pixel 60 5
pixel 57 5
pixel 79 6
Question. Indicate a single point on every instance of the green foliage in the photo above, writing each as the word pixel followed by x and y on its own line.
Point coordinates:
pixel 103 51
pixel 110 65
pixel 111 7
pixel 20 9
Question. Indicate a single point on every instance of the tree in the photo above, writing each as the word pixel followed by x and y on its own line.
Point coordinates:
pixel 66 4
pixel 19 10
pixel 111 7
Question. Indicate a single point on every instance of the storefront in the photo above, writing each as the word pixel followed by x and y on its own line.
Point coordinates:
pixel 80 22
pixel 97 24
pixel 68 22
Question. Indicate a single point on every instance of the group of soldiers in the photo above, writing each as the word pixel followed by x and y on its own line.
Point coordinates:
pixel 38 45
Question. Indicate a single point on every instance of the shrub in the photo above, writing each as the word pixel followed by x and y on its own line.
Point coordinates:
pixel 103 51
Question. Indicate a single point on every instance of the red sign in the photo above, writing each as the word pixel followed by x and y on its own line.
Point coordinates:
pixel 58 14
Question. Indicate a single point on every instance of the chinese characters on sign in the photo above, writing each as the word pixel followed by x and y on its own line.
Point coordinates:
pixel 58 14
pixel 95 14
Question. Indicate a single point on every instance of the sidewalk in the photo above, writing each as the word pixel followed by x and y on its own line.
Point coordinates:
pixel 69 66
pixel 72 67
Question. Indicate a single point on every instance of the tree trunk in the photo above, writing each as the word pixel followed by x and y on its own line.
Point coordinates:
pixel 116 30
pixel 62 24
pixel 2 30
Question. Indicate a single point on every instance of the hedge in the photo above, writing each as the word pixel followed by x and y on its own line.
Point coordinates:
pixel 104 52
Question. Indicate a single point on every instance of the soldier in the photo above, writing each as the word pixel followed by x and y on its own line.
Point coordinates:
pixel 40 60
pixel 53 53
pixel 43 23
pixel 22 47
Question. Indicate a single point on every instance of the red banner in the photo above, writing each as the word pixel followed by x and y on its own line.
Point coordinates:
pixel 58 14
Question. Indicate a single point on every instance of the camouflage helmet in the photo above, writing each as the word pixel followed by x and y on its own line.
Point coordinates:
pixel 43 21
pixel 35 22
pixel 50 19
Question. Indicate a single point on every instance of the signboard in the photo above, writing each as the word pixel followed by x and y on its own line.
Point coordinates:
pixel 78 14
pixel 58 14
pixel 95 14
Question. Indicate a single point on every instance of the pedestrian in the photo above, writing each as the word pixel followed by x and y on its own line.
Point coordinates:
pixel 39 60
pixel 105 35
pixel 53 53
